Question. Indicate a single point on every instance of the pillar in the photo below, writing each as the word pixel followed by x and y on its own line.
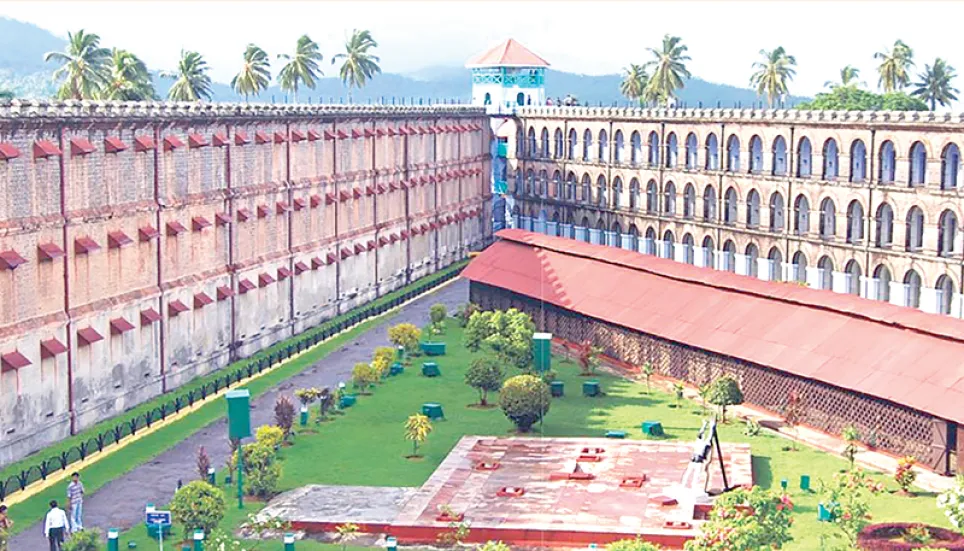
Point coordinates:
pixel 741 264
pixel 764 269
pixel 626 241
pixel 929 300
pixel 898 293
pixel 789 274
pixel 839 281
pixel 868 287
pixel 594 236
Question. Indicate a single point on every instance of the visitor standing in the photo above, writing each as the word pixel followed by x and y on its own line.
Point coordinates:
pixel 75 501
pixel 55 526
pixel 5 525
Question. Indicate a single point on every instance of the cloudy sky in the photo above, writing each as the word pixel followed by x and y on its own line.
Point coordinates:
pixel 591 37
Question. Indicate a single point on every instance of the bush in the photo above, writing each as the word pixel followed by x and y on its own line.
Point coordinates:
pixel 632 545
pixel 437 313
pixel 417 429
pixel 508 334
pixel 484 375
pixel 270 436
pixel 363 376
pixel 284 414
pixel 951 501
pixel 525 399
pixel 84 540
pixel 846 498
pixel 203 463
pixel 198 505
pixel 307 395
pixel 494 546
pixel 465 312
pixel 262 471
pixel 549 375
pixel 405 335
pixel 746 519
pixel 905 475
pixel 724 391
pixel 382 359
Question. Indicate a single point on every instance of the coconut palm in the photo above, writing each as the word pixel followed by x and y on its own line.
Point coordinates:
pixel 634 83
pixel 83 66
pixel 359 64
pixel 6 94
pixel 894 67
pixel 668 71
pixel 773 74
pixel 935 84
pixel 254 74
pixel 302 67
pixel 848 77
pixel 192 82
pixel 127 79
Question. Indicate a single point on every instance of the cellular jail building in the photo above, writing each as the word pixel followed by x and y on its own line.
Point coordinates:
pixel 144 244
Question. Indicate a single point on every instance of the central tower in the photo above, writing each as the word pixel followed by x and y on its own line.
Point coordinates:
pixel 507 76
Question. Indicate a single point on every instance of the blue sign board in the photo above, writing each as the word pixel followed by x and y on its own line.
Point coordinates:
pixel 159 517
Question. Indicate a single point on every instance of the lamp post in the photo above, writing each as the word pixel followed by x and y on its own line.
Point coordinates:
pixel 239 427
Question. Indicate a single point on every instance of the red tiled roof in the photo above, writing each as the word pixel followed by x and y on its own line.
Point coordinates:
pixel 898 354
pixel 507 54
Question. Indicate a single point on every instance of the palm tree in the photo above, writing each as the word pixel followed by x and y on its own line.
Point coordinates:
pixel 935 84
pixel 773 73
pixel 359 64
pixel 83 66
pixel 848 77
pixel 127 79
pixel 301 67
pixel 6 94
pixel 192 81
pixel 668 70
pixel 634 83
pixel 254 74
pixel 894 66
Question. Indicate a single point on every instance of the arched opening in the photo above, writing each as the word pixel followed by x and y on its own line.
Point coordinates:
pixel 885 226
pixel 557 185
pixel 709 204
pixel 855 222
pixel 688 250
pixel 800 267
pixel 670 199
pixel 804 158
pixel 532 148
pixel 619 154
pixel 671 150
pixel 756 155
pixel 776 264
pixel 828 219
pixel 617 192
pixel 691 151
pixel 830 155
pixel 571 187
pixel 559 146
pixel 617 232
pixel 530 182
pixel 712 153
pixel 946 233
pixel 633 237
pixel 912 286
pixel 585 228
pixel 520 99
pixel 945 294
pixel 752 260
pixel 730 207
pixel 601 191
pixel 708 251
pixel 753 209
pixel 882 276
pixel 852 269
pixel 779 156
pixel 858 162
pixel 603 147
pixel 600 225
pixel 573 140
pixel 652 197
pixel 544 145
pixel 918 164
pixel 668 244
pixel 825 272
pixel 636 144
pixel 801 215
pixel 729 256
pixel 888 162
pixel 586 145
pixel 689 202
pixel 542 188
pixel 733 154
pixel 776 212
pixel 586 188
pixel 653 149
pixel 518 184
pixel 950 166
pixel 634 194
pixel 488 99
pixel 650 241
pixel 915 229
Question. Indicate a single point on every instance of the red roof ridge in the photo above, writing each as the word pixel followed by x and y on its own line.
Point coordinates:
pixel 508 53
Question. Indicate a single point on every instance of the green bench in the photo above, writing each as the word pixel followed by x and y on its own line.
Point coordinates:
pixel 432 410
pixel 590 388
pixel 433 348
pixel 347 401
pixel 430 369
pixel 396 369
pixel 557 388
pixel 616 434
pixel 653 428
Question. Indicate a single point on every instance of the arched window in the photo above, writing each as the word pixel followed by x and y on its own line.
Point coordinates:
pixel 573 140
pixel 709 204
pixel 882 275
pixel 600 225
pixel 830 159
pixel 544 138
pixel 733 154
pixel 918 164
pixel 542 186
pixel 601 191
pixel 776 212
pixel 779 156
pixel 801 215
pixel 708 251
pixel 912 285
pixel 858 162
pixel 672 150
pixel 712 153
pixel 557 185
pixel 586 188
pixel 651 241
pixel 915 229
pixel 634 194
pixel 571 187
pixel 617 230
pixel 756 155
pixel 633 237
pixel 532 148
pixel 946 233
pixel 617 192
pixel 729 256
pixel 668 244
pixel 669 206
pixel 586 145
pixel 530 182
pixel 729 207
pixel 828 219
pixel 619 152
pixel 888 162
pixel 752 257
pixel 800 267
pixel 688 251
pixel 885 226
pixel 559 147
pixel 776 264
pixel 855 222
pixel 945 294
pixel 804 158
pixel 689 202
pixel 518 185
pixel 691 151
pixel 637 148
pixel 603 147
pixel 950 166
pixel 520 145
pixel 652 198
pixel 752 209
pixel 825 270
pixel 585 224
pixel 653 149
pixel 853 272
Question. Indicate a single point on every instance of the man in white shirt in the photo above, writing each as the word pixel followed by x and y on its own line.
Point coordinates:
pixel 55 526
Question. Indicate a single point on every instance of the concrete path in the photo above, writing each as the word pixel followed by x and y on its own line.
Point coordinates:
pixel 120 503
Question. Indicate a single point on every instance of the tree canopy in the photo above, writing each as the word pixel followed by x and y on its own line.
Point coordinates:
pixel 851 98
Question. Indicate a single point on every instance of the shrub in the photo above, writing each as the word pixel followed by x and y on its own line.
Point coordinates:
pixel 795 414
pixel 524 399
pixel 951 501
pixel 746 519
pixel 588 356
pixel 261 480
pixel 549 375
pixel 724 391
pixel 508 334
pixel 307 395
pixel 845 496
pixel 465 312
pixel 678 389
pixel 203 463
pixel 484 375
pixel 269 436
pixel 84 540
pixel 405 335
pixel 648 371
pixel 494 546
pixel 437 313
pixel 347 533
pixel 632 545
pixel 417 429
pixel 752 428
pixel 325 402
pixel 284 414
pixel 905 474
pixel 382 360
pixel 363 376
pixel 851 437
pixel 198 505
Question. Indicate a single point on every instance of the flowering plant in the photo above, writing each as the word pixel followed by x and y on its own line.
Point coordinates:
pixel 846 499
pixel 951 502
pixel 746 519
pixel 905 474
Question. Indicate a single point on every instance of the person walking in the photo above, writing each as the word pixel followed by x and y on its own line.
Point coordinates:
pixel 75 502
pixel 5 525
pixel 55 526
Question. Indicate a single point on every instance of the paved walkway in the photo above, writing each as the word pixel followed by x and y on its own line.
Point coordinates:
pixel 120 503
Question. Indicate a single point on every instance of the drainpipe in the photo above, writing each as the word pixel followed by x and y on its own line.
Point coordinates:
pixel 70 323
pixel 232 349
pixel 720 202
pixel 162 332
pixel 290 221
pixel 378 287
pixel 408 211
pixel 337 203
pixel 660 189
pixel 458 155
pixel 790 219
pixel 435 204
pixel 609 176
pixel 870 202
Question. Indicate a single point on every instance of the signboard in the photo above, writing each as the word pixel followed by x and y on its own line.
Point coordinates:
pixel 159 517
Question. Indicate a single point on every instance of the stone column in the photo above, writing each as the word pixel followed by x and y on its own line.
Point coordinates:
pixel 742 264
pixel 898 293
pixel 764 269
pixel 839 281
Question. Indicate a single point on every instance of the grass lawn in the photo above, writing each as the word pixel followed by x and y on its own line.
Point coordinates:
pixel 366 445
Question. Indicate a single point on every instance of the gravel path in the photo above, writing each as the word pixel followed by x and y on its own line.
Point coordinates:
pixel 120 503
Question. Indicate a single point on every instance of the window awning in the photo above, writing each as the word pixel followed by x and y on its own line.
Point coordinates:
pixel 113 144
pixel 117 239
pixel 51 348
pixel 85 245
pixel 88 336
pixel 80 146
pixel 10 259
pixel 12 361
pixel 119 326
pixel 149 316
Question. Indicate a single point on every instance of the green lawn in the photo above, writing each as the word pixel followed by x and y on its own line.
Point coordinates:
pixel 366 445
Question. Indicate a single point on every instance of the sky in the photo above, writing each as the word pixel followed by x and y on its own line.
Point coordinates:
pixel 589 37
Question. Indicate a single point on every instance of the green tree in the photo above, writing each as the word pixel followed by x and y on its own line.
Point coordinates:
pixel 127 78
pixel 635 544
pixel 667 70
pixel 301 68
pixel 647 371
pixel 848 77
pixel 83 66
pixel 485 375
pixel 6 94
pixel 417 429
pixel 363 376
pixel 851 436
pixel 845 496
pixel 507 333
pixel 478 328
pixel 525 399
pixel 746 519
pixel 678 389
pixel 773 74
pixel 634 83
pixel 255 73
pixel 405 335
pixel 192 82
pixel 437 314
pixel 934 86
pixel 851 98
pixel 198 505
pixel 894 67
pixel 359 65
pixel 725 391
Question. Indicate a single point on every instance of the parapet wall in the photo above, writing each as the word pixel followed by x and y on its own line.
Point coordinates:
pixel 144 244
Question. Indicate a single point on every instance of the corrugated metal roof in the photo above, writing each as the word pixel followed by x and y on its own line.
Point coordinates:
pixel 895 353
pixel 507 54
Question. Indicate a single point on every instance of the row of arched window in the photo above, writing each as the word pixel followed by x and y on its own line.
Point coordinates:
pixel 674 205
pixel 707 157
